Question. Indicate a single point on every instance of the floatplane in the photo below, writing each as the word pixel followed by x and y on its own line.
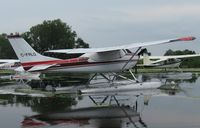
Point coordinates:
pixel 93 60
pixel 173 61
pixel 20 74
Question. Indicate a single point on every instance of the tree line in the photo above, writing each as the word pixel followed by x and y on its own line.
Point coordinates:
pixel 193 62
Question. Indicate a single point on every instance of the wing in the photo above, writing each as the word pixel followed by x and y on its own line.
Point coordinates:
pixel 129 46
pixel 171 57
pixel 154 57
pixel 9 60
pixel 181 56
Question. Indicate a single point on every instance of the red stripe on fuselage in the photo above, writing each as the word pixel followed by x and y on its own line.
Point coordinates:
pixel 67 61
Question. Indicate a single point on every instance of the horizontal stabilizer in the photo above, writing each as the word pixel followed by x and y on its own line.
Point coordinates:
pixel 40 67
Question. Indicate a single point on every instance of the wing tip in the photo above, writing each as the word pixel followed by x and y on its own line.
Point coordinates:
pixel 189 38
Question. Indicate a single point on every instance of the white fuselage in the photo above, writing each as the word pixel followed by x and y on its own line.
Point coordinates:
pixel 101 64
pixel 172 65
pixel 165 64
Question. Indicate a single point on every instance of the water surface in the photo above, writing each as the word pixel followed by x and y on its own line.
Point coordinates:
pixel 153 109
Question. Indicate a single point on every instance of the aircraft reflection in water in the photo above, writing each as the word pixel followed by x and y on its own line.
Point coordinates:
pixel 114 115
pixel 172 79
pixel 111 110
pixel 172 76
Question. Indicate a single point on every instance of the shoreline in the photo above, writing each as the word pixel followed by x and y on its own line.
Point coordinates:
pixel 162 70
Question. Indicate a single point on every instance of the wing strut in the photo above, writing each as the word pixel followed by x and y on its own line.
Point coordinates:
pixel 131 58
pixel 128 63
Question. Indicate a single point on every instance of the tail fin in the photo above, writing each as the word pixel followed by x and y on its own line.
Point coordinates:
pixel 146 59
pixel 25 52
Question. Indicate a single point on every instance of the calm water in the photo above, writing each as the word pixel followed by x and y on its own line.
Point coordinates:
pixel 153 109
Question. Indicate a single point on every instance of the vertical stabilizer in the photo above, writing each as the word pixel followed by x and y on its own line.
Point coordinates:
pixel 25 52
pixel 146 59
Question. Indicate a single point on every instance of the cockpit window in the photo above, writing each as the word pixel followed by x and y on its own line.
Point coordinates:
pixel 2 62
pixel 128 51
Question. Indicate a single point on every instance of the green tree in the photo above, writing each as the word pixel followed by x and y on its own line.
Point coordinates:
pixel 169 52
pixel 53 34
pixel 81 44
pixel 178 52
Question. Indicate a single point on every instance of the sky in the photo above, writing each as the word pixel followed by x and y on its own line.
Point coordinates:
pixel 104 23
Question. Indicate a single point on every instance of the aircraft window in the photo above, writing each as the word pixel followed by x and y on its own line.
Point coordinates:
pixel 124 51
pixel 154 59
pixel 2 62
pixel 171 60
pixel 128 51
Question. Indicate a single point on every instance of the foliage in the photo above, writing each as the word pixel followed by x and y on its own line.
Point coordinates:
pixel 187 63
pixel 178 52
pixel 81 44
pixel 53 34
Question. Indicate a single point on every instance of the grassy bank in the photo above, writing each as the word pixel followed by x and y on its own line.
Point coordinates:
pixel 6 72
pixel 159 70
